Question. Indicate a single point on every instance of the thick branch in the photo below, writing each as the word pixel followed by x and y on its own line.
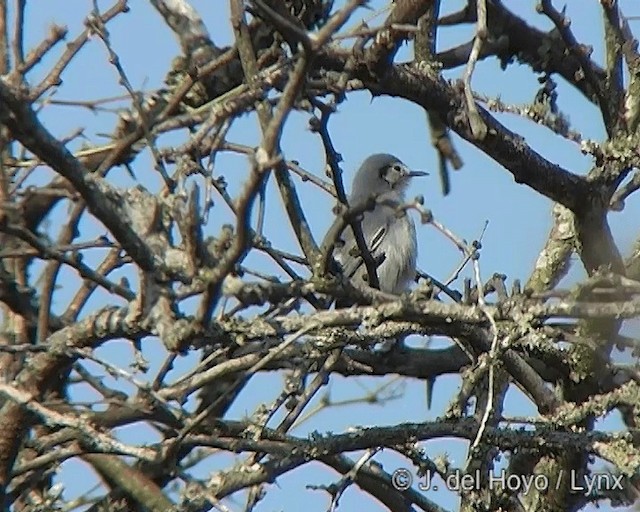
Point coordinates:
pixel 97 193
pixel 507 148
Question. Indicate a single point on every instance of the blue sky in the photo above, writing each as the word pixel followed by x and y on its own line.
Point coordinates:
pixel 519 219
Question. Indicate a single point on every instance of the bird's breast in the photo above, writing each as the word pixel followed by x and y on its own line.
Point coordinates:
pixel 397 271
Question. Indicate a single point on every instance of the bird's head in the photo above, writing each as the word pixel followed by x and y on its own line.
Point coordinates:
pixel 382 174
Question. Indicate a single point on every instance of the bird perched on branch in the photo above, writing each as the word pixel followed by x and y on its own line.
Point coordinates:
pixel 388 231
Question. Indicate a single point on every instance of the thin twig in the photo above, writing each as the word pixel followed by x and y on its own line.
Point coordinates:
pixel 478 127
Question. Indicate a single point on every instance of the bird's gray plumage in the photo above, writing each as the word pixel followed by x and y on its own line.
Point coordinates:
pixel 388 231
pixel 390 234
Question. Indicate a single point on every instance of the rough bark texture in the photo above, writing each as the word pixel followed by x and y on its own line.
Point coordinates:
pixel 554 344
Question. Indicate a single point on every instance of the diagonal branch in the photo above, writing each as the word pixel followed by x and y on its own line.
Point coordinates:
pixel 102 199
pixel 505 147
pixel 515 39
pixel 587 69
pixel 41 369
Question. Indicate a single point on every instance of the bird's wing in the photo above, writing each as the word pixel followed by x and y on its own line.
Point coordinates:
pixel 348 256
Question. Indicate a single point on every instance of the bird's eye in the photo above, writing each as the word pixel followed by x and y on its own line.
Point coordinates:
pixel 391 173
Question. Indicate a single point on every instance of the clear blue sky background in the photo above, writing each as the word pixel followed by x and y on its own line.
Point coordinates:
pixel 519 219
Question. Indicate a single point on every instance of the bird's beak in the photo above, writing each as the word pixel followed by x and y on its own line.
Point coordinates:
pixel 415 174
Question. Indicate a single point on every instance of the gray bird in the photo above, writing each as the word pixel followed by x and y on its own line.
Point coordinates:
pixel 390 235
